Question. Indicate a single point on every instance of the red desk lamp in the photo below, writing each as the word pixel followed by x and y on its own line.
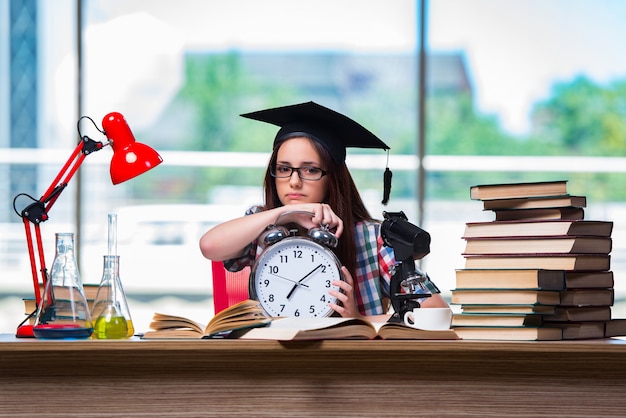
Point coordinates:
pixel 130 159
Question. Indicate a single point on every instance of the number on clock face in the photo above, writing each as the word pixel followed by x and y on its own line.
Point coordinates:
pixel 294 276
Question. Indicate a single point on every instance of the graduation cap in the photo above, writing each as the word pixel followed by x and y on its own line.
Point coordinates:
pixel 334 131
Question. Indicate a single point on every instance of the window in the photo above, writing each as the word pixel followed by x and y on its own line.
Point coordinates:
pixel 501 80
pixel 180 81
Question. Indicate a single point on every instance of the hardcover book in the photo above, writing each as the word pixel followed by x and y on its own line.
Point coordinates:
pixel 506 309
pixel 588 279
pixel 532 279
pixel 569 213
pixel 615 328
pixel 505 297
pixel 536 202
pixel 575 297
pixel 596 262
pixel 587 297
pixel 528 245
pixel 510 333
pixel 510 279
pixel 534 228
pixel 579 314
pixel 581 330
pixel 515 190
pixel 496 320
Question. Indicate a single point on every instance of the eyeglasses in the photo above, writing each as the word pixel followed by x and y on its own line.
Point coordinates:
pixel 305 173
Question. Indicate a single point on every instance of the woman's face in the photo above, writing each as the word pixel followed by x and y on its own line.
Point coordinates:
pixel 299 152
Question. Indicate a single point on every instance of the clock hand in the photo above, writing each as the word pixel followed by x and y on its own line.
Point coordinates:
pixel 293 289
pixel 289 280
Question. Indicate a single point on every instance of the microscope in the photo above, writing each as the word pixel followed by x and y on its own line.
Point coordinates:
pixel 409 243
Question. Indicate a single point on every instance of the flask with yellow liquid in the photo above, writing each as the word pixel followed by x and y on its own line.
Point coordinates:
pixel 110 311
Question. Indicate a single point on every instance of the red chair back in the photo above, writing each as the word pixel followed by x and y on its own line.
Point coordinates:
pixel 228 287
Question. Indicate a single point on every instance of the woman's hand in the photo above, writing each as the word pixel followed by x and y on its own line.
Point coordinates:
pixel 348 307
pixel 322 215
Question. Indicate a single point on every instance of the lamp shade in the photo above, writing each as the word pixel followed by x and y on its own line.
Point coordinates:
pixel 130 158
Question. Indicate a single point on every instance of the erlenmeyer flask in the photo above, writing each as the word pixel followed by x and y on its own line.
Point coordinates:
pixel 63 312
pixel 110 310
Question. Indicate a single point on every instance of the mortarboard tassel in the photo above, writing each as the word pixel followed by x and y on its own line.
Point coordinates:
pixel 386 185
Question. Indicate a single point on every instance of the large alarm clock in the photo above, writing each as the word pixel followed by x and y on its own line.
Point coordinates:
pixel 293 274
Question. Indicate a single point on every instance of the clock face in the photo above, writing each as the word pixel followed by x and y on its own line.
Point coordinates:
pixel 293 277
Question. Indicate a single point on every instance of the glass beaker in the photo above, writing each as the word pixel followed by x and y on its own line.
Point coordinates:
pixel 63 312
pixel 110 310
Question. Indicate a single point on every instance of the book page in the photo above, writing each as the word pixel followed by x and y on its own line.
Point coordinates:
pixel 162 321
pixel 244 314
pixel 400 331
pixel 290 328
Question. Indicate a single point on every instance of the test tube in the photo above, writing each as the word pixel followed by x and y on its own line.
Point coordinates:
pixel 112 234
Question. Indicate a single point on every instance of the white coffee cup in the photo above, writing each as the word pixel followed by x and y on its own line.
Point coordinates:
pixel 429 318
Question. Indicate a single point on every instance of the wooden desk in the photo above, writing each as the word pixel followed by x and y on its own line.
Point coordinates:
pixel 315 379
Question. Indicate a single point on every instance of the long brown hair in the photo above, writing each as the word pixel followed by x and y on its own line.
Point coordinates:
pixel 342 196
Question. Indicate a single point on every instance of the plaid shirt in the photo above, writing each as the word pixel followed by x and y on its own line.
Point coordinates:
pixel 372 276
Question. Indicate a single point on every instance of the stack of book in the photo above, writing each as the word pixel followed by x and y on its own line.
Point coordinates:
pixel 539 271
pixel 30 305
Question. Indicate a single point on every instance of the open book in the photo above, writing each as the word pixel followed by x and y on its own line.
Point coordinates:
pixel 290 329
pixel 243 315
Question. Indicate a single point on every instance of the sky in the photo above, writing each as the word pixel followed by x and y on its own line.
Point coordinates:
pixel 515 50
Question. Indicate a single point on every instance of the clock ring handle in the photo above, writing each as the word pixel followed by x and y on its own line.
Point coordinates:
pixel 321 234
pixel 274 232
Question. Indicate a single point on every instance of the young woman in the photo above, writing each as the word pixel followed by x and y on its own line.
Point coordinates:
pixel 307 172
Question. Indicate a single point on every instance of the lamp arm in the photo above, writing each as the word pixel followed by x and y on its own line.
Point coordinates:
pixel 37 212
pixel 85 147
